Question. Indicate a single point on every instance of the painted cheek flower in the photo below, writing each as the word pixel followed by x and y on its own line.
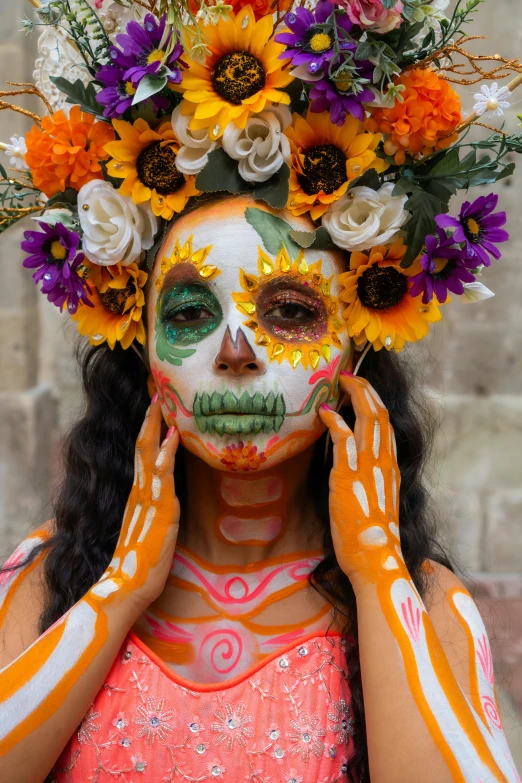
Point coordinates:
pixel 325 158
pixel 372 14
pixel 491 101
pixel 53 253
pixel 242 457
pixel 66 151
pixel 479 228
pixel 242 74
pixel 426 119
pixel 380 308
pixel 117 305
pixel 146 161
pixel 443 270
pixel 309 40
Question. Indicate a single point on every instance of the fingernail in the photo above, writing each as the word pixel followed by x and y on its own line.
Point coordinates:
pixel 325 407
pixel 349 374
pixel 170 431
pixel 154 397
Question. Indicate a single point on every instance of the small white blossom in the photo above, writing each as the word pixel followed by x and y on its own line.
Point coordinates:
pixel 261 147
pixel 211 14
pixel 365 217
pixel 476 292
pixel 195 144
pixel 16 151
pixel 491 101
pixel 115 229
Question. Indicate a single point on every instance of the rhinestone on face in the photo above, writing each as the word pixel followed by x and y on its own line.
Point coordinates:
pixel 232 723
pixel 274 734
pixel 200 748
pixel 194 727
pixel 307 737
pixel 279 753
pixel 215 771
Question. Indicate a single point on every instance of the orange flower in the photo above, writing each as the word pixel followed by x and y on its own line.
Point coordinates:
pixel 424 121
pixel 242 457
pixel 66 151
pixel 260 7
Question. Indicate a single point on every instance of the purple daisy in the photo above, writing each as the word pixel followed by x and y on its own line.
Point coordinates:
pixel 53 253
pixel 311 40
pixel 443 269
pixel 478 228
pixel 117 94
pixel 328 95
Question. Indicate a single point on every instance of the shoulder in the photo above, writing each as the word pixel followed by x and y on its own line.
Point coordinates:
pixel 22 594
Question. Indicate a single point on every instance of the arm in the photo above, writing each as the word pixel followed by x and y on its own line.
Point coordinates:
pixel 420 725
pixel 47 689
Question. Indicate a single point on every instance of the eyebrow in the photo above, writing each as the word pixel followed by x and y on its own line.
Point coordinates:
pixel 178 273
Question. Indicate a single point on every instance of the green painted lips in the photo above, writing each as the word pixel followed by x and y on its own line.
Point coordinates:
pixel 226 414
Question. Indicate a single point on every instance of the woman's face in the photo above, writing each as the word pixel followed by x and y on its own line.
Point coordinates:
pixel 244 344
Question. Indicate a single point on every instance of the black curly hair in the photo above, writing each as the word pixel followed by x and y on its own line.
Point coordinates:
pixel 99 467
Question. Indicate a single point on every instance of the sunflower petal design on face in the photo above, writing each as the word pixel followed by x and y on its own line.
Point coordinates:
pixel 146 161
pixel 185 254
pixel 304 343
pixel 380 306
pixel 242 73
pixel 118 301
pixel 325 159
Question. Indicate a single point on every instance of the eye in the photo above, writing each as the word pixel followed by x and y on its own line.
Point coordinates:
pixel 291 311
pixel 191 313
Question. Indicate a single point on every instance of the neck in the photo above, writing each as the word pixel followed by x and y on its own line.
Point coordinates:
pixel 242 518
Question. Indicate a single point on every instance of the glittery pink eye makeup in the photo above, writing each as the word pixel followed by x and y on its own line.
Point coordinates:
pixel 291 311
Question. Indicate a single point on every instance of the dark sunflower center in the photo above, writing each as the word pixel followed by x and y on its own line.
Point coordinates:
pixel 444 268
pixel 237 76
pixel 381 287
pixel 115 299
pixel 324 168
pixel 472 229
pixel 156 167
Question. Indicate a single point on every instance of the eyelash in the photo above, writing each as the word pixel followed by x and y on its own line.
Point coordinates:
pixel 171 315
pixel 291 300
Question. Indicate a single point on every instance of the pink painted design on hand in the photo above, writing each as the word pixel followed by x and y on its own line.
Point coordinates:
pixel 412 618
pixel 327 372
pixel 492 714
pixel 485 658
pixel 225 650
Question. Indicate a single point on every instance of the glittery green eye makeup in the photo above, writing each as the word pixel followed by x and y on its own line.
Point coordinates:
pixel 188 312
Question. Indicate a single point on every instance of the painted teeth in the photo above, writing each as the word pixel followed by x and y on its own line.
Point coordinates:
pixel 226 414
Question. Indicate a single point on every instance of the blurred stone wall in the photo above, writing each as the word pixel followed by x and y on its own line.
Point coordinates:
pixel 471 365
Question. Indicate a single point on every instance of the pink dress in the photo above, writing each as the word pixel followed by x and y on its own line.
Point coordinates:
pixel 285 720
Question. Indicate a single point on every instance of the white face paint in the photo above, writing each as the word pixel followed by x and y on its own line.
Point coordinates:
pixel 243 361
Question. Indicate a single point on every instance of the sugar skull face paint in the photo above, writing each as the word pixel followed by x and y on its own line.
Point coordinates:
pixel 244 344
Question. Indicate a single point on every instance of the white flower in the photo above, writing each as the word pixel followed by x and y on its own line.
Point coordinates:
pixel 365 217
pixel 115 229
pixel 476 292
pixel 261 147
pixel 195 145
pixel 15 151
pixel 491 101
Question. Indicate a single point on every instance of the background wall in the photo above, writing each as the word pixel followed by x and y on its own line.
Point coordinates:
pixel 471 366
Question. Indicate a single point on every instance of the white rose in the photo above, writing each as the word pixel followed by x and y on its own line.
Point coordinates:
pixel 115 229
pixel 195 144
pixel 365 217
pixel 261 147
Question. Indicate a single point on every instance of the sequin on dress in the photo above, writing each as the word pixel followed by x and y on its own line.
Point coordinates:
pixel 286 720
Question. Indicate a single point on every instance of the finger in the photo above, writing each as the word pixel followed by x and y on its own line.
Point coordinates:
pixel 345 450
pixel 368 425
pixel 147 444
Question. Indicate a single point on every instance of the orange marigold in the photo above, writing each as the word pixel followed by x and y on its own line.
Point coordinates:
pixel 424 121
pixel 66 151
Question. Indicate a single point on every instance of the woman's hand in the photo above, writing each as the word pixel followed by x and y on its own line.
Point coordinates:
pixel 364 487
pixel 144 551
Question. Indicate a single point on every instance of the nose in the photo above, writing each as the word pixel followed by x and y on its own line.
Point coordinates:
pixel 237 357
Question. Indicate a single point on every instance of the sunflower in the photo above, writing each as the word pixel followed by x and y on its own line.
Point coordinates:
pixel 118 299
pixel 146 161
pixel 380 306
pixel 241 74
pixel 308 344
pixel 325 158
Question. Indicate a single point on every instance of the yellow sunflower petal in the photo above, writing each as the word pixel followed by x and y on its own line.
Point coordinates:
pixel 258 45
pixel 140 192
pixel 125 131
pixel 208 109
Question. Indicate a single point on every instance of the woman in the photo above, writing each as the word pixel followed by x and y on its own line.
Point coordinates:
pixel 207 599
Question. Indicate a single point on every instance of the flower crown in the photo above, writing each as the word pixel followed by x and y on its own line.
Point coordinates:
pixel 343 110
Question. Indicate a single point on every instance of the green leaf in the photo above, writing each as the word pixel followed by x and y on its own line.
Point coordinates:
pixel 78 93
pixel 303 238
pixel 149 85
pixel 274 231
pixel 370 179
pixel 63 216
pixel 315 240
pixel 170 353
pixel 423 206
pixel 3 172
pixel 151 253
pixel 68 196
pixel 220 173
pixel 275 191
